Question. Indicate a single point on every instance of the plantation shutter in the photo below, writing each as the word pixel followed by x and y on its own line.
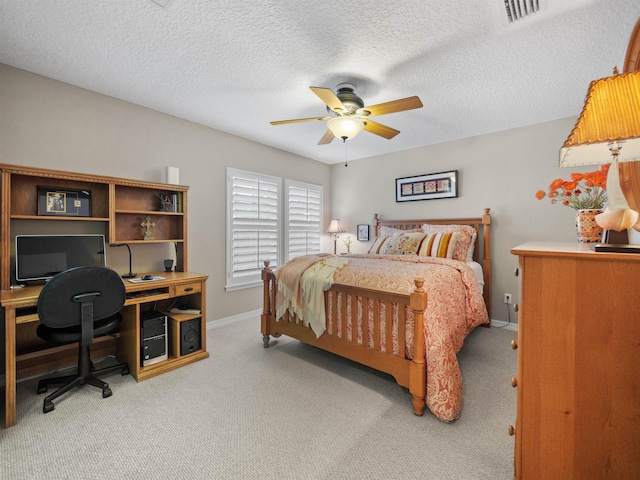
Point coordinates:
pixel 303 215
pixel 252 226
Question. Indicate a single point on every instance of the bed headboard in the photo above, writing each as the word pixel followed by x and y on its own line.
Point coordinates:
pixel 482 226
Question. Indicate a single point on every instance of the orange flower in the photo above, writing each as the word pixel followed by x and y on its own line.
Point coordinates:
pixel 556 184
pixel 583 191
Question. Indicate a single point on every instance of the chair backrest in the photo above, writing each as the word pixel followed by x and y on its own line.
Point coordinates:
pixel 57 307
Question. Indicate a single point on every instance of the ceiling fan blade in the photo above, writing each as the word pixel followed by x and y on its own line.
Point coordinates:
pixel 328 97
pixel 379 129
pixel 327 138
pixel 298 120
pixel 401 105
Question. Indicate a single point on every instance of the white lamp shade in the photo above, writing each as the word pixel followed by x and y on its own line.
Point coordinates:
pixel 345 127
pixel 335 226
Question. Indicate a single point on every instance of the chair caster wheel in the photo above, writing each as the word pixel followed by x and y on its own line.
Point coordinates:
pixel 42 389
pixel 48 407
pixel 106 392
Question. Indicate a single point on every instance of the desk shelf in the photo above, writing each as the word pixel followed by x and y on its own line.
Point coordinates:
pixel 43 358
pixel 118 206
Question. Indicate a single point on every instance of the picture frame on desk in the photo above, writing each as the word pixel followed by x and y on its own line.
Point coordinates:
pixel 64 202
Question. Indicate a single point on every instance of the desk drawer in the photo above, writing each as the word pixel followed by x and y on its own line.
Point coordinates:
pixel 187 289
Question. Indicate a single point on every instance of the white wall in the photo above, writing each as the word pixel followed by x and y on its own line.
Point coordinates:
pixel 501 171
pixel 48 124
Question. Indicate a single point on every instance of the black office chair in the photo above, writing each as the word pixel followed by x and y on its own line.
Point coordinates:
pixel 78 305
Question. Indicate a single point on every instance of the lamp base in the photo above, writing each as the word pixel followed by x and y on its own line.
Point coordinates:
pixel 128 275
pixel 616 247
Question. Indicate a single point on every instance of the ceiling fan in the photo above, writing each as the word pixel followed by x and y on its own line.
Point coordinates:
pixel 349 115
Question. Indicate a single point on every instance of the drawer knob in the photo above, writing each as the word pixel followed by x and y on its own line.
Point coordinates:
pixel 514 344
pixel 514 382
pixel 512 430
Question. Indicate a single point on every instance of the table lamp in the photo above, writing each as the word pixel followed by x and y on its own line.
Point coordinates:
pixel 335 227
pixel 608 130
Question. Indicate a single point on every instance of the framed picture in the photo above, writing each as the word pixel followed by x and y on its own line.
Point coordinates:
pixel 363 233
pixel 64 202
pixel 427 187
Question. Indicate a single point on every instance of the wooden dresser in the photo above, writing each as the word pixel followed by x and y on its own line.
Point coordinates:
pixel 578 374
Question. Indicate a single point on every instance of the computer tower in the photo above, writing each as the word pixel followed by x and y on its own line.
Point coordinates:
pixel 154 338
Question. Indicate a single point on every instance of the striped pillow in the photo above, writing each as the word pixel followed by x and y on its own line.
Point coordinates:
pixel 439 245
pixel 378 244
pixel 464 240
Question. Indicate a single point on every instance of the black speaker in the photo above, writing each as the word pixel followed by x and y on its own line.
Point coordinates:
pixel 189 336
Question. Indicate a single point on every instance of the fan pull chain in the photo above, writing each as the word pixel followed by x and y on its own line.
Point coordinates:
pixel 344 140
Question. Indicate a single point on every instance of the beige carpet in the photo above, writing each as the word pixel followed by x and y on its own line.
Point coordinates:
pixel 287 412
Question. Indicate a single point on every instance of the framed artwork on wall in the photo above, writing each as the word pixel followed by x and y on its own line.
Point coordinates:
pixel 363 233
pixel 427 187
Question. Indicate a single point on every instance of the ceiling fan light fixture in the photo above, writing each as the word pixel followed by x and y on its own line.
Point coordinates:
pixel 345 127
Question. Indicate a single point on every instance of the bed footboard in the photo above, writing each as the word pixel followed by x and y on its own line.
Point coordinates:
pixel 361 332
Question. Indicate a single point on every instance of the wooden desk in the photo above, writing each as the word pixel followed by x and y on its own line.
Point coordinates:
pixel 188 288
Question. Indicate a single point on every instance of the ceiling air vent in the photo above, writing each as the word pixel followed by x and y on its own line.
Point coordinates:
pixel 520 9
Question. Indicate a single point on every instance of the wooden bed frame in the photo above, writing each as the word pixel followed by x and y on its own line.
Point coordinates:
pixel 407 373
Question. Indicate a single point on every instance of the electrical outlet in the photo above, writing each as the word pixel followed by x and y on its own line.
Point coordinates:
pixel 507 298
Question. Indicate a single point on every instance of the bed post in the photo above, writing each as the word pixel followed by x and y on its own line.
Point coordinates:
pixel 486 259
pixel 375 225
pixel 418 366
pixel 267 306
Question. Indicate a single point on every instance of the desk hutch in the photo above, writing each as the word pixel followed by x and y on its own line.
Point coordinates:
pixel 118 207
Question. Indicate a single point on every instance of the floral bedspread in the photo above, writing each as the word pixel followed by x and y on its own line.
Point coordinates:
pixel 454 307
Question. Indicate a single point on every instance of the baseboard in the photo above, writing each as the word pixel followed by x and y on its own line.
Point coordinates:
pixel 234 318
pixel 506 325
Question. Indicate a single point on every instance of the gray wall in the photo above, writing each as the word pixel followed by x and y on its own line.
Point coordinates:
pixel 49 124
pixel 45 123
pixel 501 171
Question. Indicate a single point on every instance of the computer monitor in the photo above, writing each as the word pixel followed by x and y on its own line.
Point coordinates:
pixel 40 257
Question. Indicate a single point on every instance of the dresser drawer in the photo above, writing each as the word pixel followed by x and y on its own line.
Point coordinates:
pixel 187 289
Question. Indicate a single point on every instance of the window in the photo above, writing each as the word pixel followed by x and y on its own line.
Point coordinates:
pixel 255 229
pixel 303 217
pixel 253 202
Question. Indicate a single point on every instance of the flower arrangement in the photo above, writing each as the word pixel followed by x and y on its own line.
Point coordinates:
pixel 348 243
pixel 584 191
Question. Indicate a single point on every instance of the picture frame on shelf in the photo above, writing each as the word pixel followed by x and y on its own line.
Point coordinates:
pixel 363 233
pixel 427 187
pixel 64 202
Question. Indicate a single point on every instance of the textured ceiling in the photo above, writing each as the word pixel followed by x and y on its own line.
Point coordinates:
pixel 236 65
